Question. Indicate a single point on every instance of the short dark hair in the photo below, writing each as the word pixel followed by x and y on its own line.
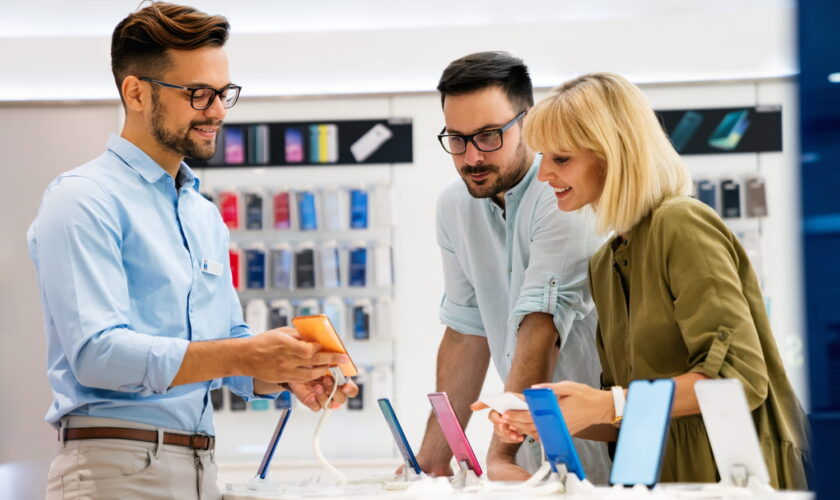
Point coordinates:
pixel 140 41
pixel 486 69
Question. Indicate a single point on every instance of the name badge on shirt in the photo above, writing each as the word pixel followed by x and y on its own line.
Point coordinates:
pixel 210 267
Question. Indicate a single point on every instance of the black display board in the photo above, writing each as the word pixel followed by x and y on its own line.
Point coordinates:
pixel 322 143
pixel 724 130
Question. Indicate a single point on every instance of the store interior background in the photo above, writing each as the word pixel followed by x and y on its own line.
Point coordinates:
pixel 331 60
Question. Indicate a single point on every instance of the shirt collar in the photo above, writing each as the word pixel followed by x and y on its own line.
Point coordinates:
pixel 144 165
pixel 519 189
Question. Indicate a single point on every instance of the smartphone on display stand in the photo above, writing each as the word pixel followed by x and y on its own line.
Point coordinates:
pixel 452 431
pixel 399 436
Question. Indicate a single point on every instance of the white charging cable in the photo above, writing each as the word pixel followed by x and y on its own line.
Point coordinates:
pixel 339 379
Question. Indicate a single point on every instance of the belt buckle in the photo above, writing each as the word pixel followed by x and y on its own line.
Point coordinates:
pixel 195 437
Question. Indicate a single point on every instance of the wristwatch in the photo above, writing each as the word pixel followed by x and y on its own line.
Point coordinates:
pixel 618 403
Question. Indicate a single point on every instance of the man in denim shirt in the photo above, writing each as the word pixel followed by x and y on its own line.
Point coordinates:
pixel 140 313
pixel 515 267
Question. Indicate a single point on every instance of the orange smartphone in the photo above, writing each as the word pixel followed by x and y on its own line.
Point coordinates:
pixel 318 329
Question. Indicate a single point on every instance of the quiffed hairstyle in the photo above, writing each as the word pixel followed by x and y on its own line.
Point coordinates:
pixel 486 69
pixel 606 114
pixel 140 41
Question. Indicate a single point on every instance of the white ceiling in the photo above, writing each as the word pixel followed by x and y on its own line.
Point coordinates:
pixel 71 18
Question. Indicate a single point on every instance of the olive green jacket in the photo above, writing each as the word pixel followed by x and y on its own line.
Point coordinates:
pixel 676 295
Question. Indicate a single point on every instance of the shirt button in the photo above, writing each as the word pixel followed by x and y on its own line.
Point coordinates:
pixel 722 336
pixel 510 270
pixel 626 262
pixel 553 282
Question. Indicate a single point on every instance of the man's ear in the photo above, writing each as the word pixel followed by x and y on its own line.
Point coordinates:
pixel 133 93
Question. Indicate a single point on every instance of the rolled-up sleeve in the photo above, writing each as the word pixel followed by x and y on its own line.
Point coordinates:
pixel 76 244
pixel 555 280
pixel 458 307
pixel 700 266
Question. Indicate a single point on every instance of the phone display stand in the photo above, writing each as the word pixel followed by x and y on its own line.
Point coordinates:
pixel 257 483
pixel 732 436
pixel 569 481
pixel 465 476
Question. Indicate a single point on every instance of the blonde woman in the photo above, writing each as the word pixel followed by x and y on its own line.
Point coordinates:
pixel 675 293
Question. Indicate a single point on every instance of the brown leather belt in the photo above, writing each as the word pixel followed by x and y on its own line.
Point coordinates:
pixel 193 441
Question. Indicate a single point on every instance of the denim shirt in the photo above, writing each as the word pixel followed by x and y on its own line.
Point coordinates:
pixel 501 265
pixel 122 252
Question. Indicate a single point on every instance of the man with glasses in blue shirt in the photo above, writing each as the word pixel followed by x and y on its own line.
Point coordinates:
pixel 141 316
pixel 515 268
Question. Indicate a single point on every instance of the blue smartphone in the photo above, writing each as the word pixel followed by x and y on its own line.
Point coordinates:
pixel 284 403
pixel 306 209
pixel 399 435
pixel 644 429
pixel 358 209
pixel 555 437
pixel 358 267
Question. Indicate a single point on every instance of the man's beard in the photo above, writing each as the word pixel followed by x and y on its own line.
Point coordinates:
pixel 503 182
pixel 181 143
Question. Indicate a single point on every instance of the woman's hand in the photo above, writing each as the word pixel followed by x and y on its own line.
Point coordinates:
pixel 581 405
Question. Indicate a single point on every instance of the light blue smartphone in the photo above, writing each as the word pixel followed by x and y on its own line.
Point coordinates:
pixel 399 435
pixel 555 437
pixel 644 429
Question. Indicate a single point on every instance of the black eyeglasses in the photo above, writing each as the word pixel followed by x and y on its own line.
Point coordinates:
pixel 486 141
pixel 202 98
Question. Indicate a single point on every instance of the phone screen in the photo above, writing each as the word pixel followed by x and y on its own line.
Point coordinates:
pixel 644 429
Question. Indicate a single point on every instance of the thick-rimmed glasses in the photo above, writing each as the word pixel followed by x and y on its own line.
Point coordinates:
pixel 202 98
pixel 486 141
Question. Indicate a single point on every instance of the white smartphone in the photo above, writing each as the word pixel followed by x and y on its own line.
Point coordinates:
pixel 503 402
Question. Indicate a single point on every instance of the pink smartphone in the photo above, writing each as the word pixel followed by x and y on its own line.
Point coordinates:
pixel 453 432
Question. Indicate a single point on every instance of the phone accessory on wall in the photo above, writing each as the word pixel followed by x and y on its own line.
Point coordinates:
pixel 293 145
pixel 305 266
pixel 730 130
pixel 306 211
pixel 731 195
pixel 282 266
pixel 256 315
pixel 254 210
pixel 371 141
pixel 255 263
pixel 235 265
pixel 234 145
pixel 330 265
pixel 360 312
pixel 282 210
pixel 308 307
pixel 333 211
pixel 358 265
pixel 279 314
pixel 334 308
pixel 229 208
pixel 358 209
pixel 756 196
pixel 685 129
pixel 707 193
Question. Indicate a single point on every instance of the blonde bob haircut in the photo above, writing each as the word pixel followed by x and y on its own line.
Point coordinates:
pixel 606 114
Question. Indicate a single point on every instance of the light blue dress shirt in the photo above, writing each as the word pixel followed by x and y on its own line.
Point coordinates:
pixel 119 249
pixel 501 265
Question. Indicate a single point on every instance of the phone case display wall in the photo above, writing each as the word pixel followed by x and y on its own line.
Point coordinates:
pixel 314 249
pixel 724 130
pixel 313 143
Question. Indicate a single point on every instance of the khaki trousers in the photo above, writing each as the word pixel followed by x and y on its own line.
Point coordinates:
pixel 123 469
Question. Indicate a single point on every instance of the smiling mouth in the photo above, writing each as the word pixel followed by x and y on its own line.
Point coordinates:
pixel 562 191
